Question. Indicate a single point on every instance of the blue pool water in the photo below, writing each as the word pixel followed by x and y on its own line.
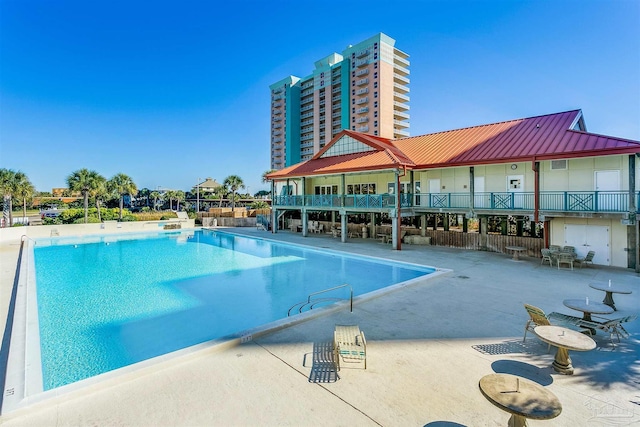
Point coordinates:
pixel 117 301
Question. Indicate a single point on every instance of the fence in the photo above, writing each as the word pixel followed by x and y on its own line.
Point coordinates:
pixel 489 242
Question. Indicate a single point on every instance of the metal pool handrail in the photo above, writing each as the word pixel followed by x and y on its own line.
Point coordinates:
pixel 303 304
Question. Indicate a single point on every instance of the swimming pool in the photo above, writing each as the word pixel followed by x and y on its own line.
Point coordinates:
pixel 105 302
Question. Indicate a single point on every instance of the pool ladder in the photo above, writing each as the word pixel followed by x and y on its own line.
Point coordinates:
pixel 310 304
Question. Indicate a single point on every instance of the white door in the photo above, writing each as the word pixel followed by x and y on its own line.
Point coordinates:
pixel 587 238
pixel 434 191
pixel 515 185
pixel 608 185
pixel 479 199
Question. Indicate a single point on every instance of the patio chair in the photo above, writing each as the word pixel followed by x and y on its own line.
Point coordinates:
pixel 565 258
pixel 546 256
pixel 555 248
pixel 587 259
pixel 537 317
pixel 611 326
pixel 349 345
pixel 569 249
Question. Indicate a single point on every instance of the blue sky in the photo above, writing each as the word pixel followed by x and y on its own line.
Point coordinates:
pixel 169 92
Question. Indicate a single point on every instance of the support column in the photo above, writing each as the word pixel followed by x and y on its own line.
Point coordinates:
pixel 465 224
pixel 394 232
pixel 274 211
pixel 445 221
pixel 372 225
pixel 633 231
pixel 483 220
pixel 423 225
pixel 305 222
pixel 343 227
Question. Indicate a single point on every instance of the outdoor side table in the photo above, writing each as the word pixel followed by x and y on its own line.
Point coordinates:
pixel 565 339
pixel 516 251
pixel 521 397
pixel 609 290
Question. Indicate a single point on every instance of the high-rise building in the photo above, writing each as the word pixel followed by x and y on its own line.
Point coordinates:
pixel 365 89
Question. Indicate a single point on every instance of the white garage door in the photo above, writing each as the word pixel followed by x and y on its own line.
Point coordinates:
pixel 587 238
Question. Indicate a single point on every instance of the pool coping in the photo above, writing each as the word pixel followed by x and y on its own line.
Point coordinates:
pixel 24 370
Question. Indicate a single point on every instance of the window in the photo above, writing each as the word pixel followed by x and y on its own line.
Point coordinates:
pixel 353 92
pixel 375 75
pixel 558 165
pixel 353 82
pixel 375 132
pixel 375 85
pixel 353 101
pixel 353 119
pixel 375 113
pixel 353 110
pixel 375 124
pixel 375 65
pixel 353 74
pixel 375 94
pixel 375 104
pixel 353 128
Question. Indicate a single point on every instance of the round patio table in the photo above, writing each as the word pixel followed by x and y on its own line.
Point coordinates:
pixel 565 339
pixel 521 397
pixel 609 290
pixel 516 251
pixel 587 307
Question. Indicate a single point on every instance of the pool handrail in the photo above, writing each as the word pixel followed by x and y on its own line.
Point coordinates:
pixel 302 304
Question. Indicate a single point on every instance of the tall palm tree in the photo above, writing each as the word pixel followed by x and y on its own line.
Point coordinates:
pixel 155 196
pixel 233 183
pixel 122 184
pixel 24 189
pixel 99 192
pixel 13 184
pixel 264 175
pixel 84 181
pixel 179 196
pixel 170 195
pixel 6 178
pixel 220 192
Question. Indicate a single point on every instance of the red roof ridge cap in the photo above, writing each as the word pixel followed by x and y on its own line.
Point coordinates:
pixel 633 141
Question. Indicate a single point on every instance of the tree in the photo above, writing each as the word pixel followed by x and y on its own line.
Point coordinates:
pixel 220 192
pixel 99 192
pixel 145 193
pixel 84 181
pixel 179 196
pixel 155 196
pixel 24 189
pixel 121 185
pixel 170 195
pixel 233 183
pixel 13 184
pixel 264 175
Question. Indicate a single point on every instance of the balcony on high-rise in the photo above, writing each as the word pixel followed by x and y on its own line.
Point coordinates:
pixel 362 81
pixel 400 106
pixel 362 110
pixel 361 63
pixel 362 119
pixel 400 88
pixel 362 100
pixel 362 72
pixel 362 91
pixel 400 97
pixel 363 52
pixel 364 128
pixel 401 124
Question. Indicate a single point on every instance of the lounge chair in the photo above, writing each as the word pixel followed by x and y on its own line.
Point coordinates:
pixel 537 317
pixel 182 216
pixel 349 345
pixel 587 259
pixel 611 326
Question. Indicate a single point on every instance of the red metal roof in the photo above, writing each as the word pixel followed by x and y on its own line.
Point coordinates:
pixel 535 138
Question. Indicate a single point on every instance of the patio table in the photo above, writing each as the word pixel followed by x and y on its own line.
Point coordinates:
pixel 609 290
pixel 564 339
pixel 587 307
pixel 516 251
pixel 521 397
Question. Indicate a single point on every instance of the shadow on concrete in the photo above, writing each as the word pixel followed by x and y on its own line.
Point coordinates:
pixel 324 368
pixel 541 376
pixel 444 424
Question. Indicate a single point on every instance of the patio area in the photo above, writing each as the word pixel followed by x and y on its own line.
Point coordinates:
pixel 428 346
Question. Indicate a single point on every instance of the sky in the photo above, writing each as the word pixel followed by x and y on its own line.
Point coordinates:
pixel 173 92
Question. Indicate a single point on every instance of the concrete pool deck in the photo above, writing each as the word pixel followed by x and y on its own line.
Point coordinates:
pixel 428 346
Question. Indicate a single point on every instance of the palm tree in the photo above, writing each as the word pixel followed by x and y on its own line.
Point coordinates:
pixel 233 183
pixel 12 184
pixel 264 175
pixel 155 196
pixel 179 196
pixel 170 195
pixel 122 184
pixel 220 192
pixel 84 181
pixel 99 192
pixel 6 178
pixel 25 189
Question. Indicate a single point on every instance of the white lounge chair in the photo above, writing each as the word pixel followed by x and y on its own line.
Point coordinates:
pixel 349 345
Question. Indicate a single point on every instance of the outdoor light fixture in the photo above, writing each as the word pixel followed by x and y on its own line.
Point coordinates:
pixel 514 166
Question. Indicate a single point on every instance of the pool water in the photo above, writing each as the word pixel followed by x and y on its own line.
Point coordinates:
pixel 116 301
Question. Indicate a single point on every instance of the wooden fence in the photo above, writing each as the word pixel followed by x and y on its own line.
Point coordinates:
pixel 489 242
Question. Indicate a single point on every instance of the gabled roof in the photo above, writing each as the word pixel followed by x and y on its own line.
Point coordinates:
pixel 384 155
pixel 535 138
